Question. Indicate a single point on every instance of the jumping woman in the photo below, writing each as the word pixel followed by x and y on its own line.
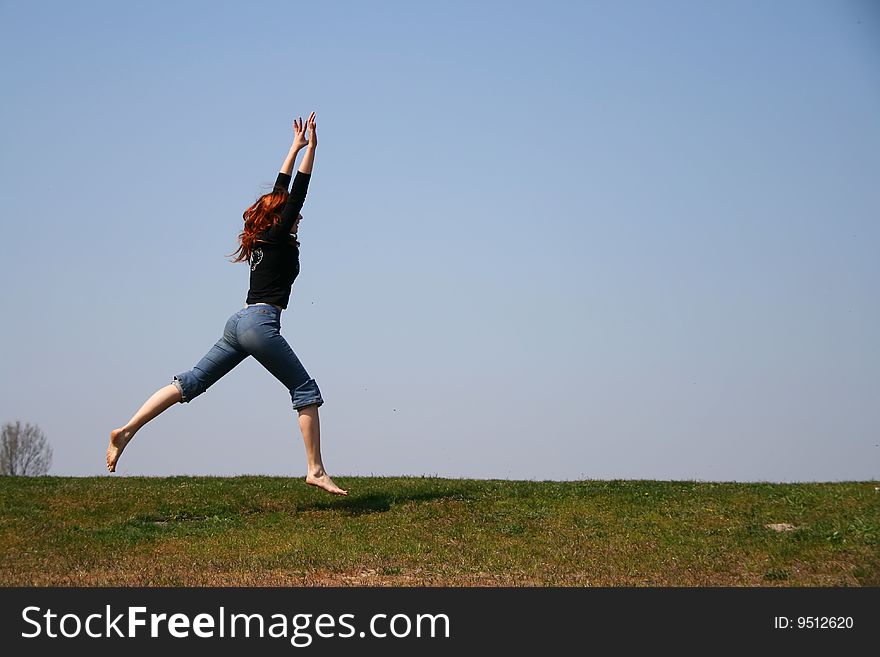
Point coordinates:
pixel 268 243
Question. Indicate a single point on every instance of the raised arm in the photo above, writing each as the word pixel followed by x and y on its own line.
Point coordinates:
pixel 297 197
pixel 299 142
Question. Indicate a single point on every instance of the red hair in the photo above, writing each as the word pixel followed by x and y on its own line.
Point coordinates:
pixel 263 214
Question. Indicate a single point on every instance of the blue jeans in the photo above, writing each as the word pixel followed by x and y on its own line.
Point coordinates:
pixel 252 331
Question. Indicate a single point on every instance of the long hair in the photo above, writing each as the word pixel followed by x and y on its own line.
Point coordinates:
pixel 263 214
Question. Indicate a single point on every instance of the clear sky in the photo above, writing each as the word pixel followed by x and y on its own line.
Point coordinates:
pixel 555 240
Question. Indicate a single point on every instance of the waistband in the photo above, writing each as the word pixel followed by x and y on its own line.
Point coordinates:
pixel 263 305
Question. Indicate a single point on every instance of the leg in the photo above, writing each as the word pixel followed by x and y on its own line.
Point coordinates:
pixel 260 336
pixel 213 366
pixel 310 425
pixel 162 400
pixel 221 358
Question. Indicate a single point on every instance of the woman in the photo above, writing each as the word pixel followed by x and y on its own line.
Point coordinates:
pixel 268 243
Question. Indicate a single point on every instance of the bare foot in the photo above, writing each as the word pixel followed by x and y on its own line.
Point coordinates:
pixel 119 438
pixel 322 480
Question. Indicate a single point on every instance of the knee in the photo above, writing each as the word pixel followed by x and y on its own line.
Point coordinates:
pixel 306 395
pixel 311 410
pixel 189 385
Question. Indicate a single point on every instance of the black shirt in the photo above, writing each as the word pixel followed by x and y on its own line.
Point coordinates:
pixel 274 260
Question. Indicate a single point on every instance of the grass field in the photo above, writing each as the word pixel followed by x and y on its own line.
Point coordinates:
pixel 405 531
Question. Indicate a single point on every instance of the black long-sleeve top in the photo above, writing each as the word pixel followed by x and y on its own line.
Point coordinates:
pixel 274 260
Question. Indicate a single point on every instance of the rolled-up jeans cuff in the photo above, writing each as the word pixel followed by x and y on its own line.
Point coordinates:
pixel 176 383
pixel 306 394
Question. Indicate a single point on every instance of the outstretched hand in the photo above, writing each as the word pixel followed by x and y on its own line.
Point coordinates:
pixel 299 133
pixel 300 139
pixel 313 136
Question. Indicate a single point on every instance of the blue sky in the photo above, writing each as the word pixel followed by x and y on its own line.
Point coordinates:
pixel 565 240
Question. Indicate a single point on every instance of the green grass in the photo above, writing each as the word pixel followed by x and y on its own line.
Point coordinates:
pixel 420 531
